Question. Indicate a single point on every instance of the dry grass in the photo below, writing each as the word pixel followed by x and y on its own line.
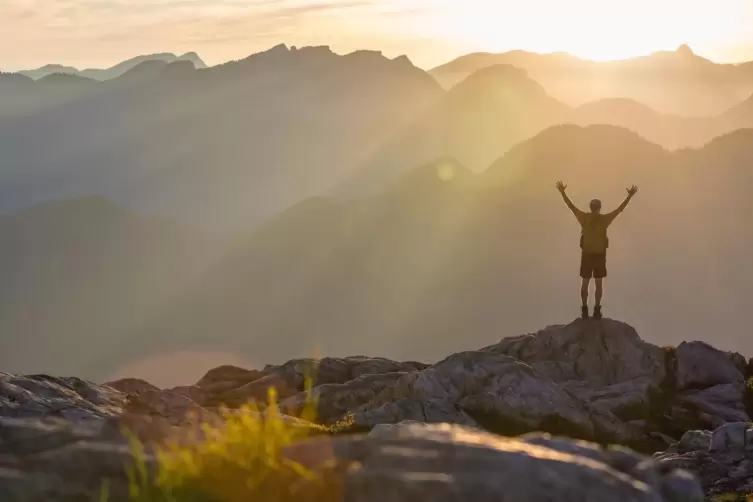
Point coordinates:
pixel 241 460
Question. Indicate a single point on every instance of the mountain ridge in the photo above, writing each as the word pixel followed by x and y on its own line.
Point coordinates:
pixel 115 70
pixel 678 82
pixel 160 126
pixel 501 105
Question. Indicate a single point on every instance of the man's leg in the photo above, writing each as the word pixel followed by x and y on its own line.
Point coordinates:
pixel 584 286
pixel 586 272
pixel 600 273
pixel 584 298
pixel 599 290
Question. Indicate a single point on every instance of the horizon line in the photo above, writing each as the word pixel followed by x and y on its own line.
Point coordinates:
pixel 344 53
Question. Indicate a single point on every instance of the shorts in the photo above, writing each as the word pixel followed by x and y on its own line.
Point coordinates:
pixel 593 265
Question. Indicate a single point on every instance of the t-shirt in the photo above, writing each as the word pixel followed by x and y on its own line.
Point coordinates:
pixel 594 230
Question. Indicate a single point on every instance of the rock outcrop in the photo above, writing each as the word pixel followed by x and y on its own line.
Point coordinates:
pixel 722 460
pixel 491 391
pixel 591 380
pixel 710 386
pixel 605 364
pixel 45 396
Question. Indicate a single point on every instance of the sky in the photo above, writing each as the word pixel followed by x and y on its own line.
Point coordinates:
pixel 100 33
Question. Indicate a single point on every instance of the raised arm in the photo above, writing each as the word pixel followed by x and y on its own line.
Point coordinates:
pixel 562 189
pixel 631 192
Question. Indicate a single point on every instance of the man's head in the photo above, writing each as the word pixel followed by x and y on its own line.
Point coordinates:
pixel 595 206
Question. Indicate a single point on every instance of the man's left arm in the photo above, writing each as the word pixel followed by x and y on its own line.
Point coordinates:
pixel 631 192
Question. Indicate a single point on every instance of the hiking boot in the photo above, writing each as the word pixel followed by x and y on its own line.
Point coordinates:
pixel 584 312
pixel 597 312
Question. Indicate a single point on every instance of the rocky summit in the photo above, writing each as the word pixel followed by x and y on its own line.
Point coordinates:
pixel 529 418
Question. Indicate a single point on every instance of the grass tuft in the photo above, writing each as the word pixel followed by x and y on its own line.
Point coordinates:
pixel 240 460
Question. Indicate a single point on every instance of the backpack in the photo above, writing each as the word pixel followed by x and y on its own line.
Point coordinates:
pixel 582 236
pixel 581 241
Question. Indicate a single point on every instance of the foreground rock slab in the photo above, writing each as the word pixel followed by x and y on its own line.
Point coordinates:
pixel 46 461
pixel 440 462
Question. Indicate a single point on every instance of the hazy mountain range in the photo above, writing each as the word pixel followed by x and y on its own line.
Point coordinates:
pixel 223 146
pixel 678 82
pixel 231 145
pixel 114 71
pixel 299 200
pixel 500 105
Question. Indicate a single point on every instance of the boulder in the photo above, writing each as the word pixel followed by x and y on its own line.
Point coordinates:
pixel 496 391
pixel 721 460
pixel 600 353
pixel 46 396
pixel 604 364
pixel 716 405
pixel 419 462
pixel 335 400
pixel 700 366
pixel 729 437
pixel 610 369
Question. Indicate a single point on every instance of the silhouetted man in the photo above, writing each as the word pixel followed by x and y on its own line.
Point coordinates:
pixel 594 243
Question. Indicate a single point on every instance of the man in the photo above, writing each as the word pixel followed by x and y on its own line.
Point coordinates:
pixel 594 243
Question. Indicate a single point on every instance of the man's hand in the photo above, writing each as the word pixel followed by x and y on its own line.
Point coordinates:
pixel 562 187
pixel 632 190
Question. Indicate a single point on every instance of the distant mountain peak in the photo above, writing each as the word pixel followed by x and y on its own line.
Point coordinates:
pixel 685 51
pixel 279 48
pixel 194 58
pixel 683 56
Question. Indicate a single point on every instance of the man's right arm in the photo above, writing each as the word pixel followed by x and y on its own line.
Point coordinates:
pixel 577 212
pixel 570 204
